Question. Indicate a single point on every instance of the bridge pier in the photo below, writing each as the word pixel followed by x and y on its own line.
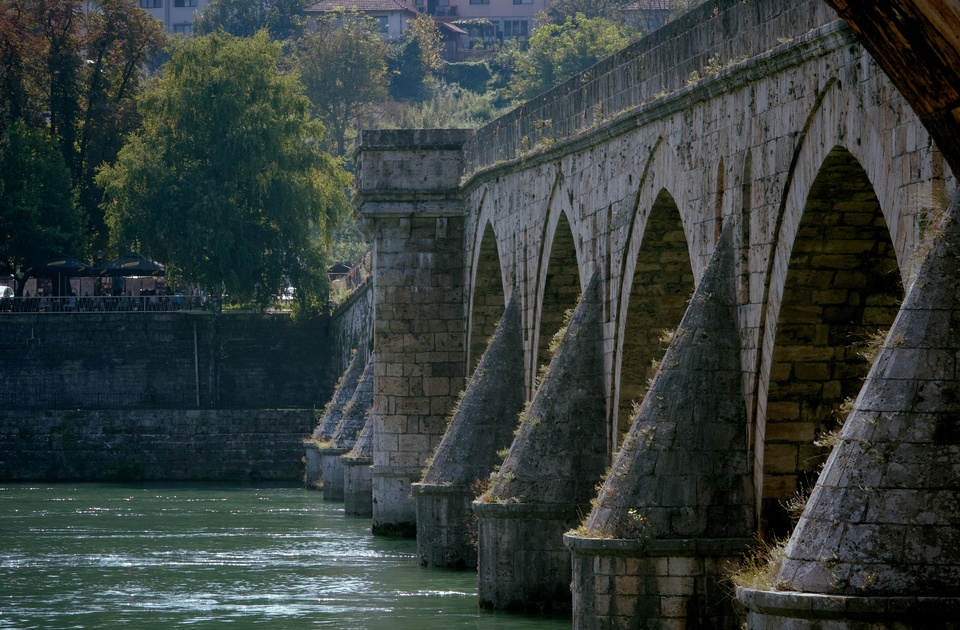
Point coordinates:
pixel 548 476
pixel 332 472
pixel 481 427
pixel 877 544
pixel 332 412
pixel 357 474
pixel 353 417
pixel 676 508
pixel 408 197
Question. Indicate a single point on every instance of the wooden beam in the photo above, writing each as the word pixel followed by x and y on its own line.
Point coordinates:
pixel 917 43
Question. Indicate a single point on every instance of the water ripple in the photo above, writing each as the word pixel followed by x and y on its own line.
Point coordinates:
pixel 101 556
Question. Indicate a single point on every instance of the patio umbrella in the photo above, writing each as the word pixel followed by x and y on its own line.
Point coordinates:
pixel 131 264
pixel 59 265
pixel 60 268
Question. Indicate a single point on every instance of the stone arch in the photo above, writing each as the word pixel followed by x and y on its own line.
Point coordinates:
pixel 559 288
pixel 841 289
pixel 654 194
pixel 658 282
pixel 487 295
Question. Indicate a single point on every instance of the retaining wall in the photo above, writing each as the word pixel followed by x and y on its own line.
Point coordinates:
pixel 153 445
pixel 352 327
pixel 163 361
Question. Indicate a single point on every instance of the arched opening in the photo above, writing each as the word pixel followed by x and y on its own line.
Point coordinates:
pixel 660 289
pixel 488 298
pixel 841 294
pixel 561 289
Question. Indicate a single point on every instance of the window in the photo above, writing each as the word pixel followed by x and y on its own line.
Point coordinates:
pixel 479 1
pixel 183 29
pixel 188 3
pixel 151 4
pixel 523 1
pixel 383 22
pixel 514 28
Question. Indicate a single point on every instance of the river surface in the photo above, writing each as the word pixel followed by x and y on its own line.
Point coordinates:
pixel 157 556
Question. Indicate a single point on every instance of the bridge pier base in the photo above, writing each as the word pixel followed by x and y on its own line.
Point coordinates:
pixel 446 526
pixel 394 513
pixel 358 473
pixel 523 565
pixel 332 469
pixel 789 610
pixel 620 584
pixel 357 485
pixel 313 475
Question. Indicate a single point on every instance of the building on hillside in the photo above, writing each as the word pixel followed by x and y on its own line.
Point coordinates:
pixel 647 15
pixel 176 15
pixel 486 21
pixel 393 16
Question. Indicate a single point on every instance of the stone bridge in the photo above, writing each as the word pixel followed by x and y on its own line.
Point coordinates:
pixel 625 323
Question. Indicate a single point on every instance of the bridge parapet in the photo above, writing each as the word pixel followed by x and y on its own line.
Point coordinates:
pixel 702 42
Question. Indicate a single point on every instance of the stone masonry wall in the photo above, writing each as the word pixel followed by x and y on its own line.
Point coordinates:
pixel 352 327
pixel 714 34
pixel 420 353
pixel 406 196
pixel 153 445
pixel 746 145
pixel 163 360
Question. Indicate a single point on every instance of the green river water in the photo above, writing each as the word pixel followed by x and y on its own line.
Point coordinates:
pixel 158 556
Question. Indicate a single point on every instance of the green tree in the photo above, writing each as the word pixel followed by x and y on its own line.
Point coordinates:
pixel 560 10
pixel 119 40
pixel 284 19
pixel 73 68
pixel 448 107
pixel 416 60
pixel 343 65
pixel 226 181
pixel 38 216
pixel 558 52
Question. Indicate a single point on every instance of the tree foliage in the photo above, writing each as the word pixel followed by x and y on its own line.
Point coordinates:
pixel 560 10
pixel 38 217
pixel 343 65
pixel 283 19
pixel 558 52
pixel 449 106
pixel 226 181
pixel 416 60
pixel 75 74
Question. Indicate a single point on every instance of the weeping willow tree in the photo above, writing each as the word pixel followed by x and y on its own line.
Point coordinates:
pixel 226 181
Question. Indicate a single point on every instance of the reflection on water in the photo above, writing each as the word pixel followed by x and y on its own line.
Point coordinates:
pixel 98 556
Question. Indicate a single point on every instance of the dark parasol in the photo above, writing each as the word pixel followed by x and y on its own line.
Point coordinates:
pixel 131 264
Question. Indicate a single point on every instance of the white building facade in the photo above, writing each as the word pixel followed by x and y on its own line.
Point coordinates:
pixel 176 15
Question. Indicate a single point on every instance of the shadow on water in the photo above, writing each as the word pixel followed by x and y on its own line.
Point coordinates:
pixel 199 555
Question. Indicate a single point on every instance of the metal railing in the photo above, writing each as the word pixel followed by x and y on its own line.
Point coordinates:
pixel 104 304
